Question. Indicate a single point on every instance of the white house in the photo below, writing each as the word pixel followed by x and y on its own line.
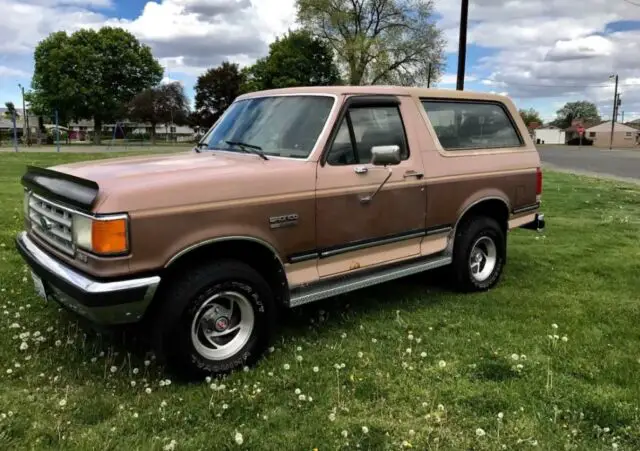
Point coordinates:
pixel 549 135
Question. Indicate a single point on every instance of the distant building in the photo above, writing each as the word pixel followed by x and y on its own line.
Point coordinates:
pixel 549 134
pixel 623 135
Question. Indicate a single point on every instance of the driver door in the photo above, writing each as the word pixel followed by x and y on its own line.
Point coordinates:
pixel 352 233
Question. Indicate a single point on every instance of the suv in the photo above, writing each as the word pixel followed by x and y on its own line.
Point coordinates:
pixel 293 196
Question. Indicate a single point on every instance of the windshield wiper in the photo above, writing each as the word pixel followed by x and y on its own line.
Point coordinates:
pixel 250 148
pixel 200 145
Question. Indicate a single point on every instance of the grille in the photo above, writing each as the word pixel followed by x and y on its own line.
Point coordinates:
pixel 51 223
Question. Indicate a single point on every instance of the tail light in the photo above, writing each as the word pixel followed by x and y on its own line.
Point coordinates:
pixel 538 181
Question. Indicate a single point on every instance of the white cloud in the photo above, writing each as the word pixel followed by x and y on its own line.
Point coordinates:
pixel 451 79
pixel 6 71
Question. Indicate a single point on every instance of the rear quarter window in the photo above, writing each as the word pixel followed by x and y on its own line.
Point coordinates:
pixel 471 125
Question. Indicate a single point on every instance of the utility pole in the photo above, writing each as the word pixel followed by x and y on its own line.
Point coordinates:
pixel 429 77
pixel 622 120
pixel 615 110
pixel 25 127
pixel 462 44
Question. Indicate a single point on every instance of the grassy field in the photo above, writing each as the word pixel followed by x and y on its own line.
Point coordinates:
pixel 547 360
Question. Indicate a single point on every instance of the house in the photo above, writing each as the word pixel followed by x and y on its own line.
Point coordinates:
pixel 623 135
pixel 549 134
pixel 571 132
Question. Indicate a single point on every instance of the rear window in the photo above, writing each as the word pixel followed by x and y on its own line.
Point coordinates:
pixel 471 125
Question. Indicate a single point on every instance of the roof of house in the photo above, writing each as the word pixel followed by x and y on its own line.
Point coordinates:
pixel 606 126
pixel 550 127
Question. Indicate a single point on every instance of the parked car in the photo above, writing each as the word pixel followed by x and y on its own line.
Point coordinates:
pixel 293 196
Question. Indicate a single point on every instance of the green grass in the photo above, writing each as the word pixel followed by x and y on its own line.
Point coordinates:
pixel 460 374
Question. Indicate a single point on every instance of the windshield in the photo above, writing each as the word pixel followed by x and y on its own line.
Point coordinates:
pixel 284 126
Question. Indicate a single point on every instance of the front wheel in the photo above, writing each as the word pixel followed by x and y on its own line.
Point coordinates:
pixel 215 318
pixel 479 254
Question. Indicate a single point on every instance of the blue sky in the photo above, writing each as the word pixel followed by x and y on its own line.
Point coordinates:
pixel 542 53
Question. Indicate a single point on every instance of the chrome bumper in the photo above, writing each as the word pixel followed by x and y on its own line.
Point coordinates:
pixel 105 303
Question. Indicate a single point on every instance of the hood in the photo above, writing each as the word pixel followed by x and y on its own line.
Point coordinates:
pixel 152 182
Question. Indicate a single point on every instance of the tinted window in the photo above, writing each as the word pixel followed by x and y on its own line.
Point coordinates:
pixel 471 125
pixel 286 126
pixel 371 126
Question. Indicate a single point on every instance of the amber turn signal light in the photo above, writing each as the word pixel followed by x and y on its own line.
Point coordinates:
pixel 109 237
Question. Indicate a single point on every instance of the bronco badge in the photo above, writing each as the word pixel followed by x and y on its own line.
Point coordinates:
pixel 276 222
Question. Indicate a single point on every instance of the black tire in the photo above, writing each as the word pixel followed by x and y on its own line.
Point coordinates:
pixel 180 303
pixel 467 235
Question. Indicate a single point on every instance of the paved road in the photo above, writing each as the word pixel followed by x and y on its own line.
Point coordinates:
pixel 616 163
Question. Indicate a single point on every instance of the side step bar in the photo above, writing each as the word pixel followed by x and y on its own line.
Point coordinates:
pixel 366 278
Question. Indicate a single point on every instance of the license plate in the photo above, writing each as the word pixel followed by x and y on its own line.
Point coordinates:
pixel 39 286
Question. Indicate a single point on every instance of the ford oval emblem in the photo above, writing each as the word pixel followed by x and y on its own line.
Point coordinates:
pixel 45 223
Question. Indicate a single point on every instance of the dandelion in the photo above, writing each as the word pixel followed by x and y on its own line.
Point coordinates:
pixel 170 446
pixel 271 349
pixel 360 354
pixel 332 416
pixel 500 416
pixel 302 398
pixel 9 371
pixel 515 356
pixel 440 407
pixel 554 326
pixel 62 403
pixel 136 371
pixel 207 379
pixel 135 415
pixel 418 340
pixel 412 432
pixel 298 391
pixel 94 359
pixel 442 363
pixel 286 366
pixel 408 351
pixel 374 340
pixel 114 369
pixel 58 343
pixel 316 369
pixel 365 430
pixel 133 383
pixel 480 432
pixel 147 390
pixel 238 438
pixel 299 348
pixel 565 338
pixel 299 358
pixel 345 434
pixel 147 362
pixel 225 406
pixel 24 346
pixel 410 337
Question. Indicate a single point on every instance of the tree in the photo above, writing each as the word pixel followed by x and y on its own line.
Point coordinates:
pixel 378 41
pixel 530 116
pixel 92 74
pixel 11 109
pixel 587 111
pixel 162 104
pixel 215 90
pixel 296 59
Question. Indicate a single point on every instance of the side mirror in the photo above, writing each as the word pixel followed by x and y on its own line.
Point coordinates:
pixel 385 155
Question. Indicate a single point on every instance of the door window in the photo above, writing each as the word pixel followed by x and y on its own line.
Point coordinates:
pixel 365 127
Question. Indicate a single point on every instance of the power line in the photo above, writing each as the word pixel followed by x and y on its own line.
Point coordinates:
pixel 632 3
pixel 507 84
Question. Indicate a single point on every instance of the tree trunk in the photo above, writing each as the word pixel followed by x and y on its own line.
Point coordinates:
pixel 97 130
pixel 153 134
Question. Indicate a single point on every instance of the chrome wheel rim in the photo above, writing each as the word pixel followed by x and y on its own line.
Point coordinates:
pixel 483 258
pixel 222 325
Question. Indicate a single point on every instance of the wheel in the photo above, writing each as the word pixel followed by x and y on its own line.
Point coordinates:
pixel 215 319
pixel 479 254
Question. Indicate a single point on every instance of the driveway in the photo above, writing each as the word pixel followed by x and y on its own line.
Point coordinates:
pixel 620 164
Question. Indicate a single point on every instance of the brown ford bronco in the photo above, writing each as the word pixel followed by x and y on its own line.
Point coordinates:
pixel 293 196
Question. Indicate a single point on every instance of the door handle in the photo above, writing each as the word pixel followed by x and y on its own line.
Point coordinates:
pixel 412 173
pixel 360 170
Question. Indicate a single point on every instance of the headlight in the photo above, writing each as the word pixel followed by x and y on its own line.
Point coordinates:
pixel 105 235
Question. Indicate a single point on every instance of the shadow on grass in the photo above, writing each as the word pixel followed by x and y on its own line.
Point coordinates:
pixel 417 290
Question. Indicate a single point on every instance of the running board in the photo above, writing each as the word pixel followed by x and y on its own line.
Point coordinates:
pixel 344 284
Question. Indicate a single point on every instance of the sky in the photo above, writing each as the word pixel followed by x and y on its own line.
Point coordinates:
pixel 541 53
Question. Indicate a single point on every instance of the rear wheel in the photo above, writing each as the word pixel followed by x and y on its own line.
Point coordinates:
pixel 215 319
pixel 479 254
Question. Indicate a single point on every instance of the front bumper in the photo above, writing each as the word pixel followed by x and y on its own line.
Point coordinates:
pixel 105 303
pixel 537 224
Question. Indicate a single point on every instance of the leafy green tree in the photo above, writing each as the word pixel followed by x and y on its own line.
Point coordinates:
pixel 582 109
pixel 296 59
pixel 378 41
pixel 91 74
pixel 530 116
pixel 162 104
pixel 215 90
